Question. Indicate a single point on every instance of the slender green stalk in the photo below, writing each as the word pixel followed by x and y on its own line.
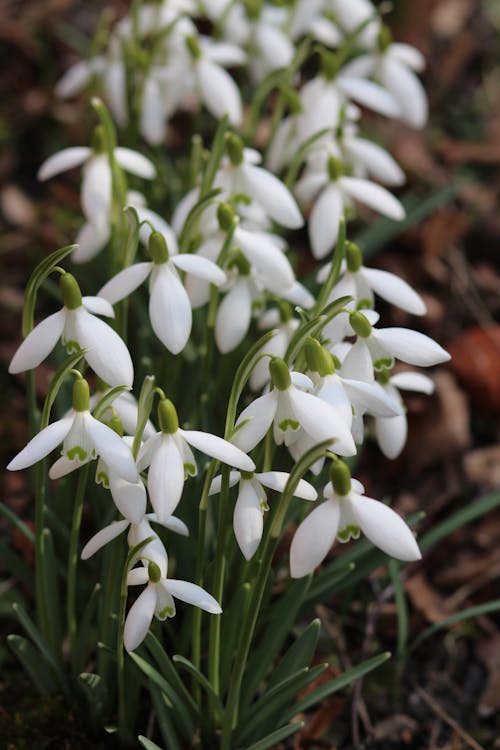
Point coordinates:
pixel 73 559
pixel 218 584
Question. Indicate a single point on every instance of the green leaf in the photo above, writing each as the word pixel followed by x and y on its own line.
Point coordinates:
pixel 29 657
pixel 15 565
pixel 300 156
pixel 460 518
pixel 332 686
pixel 106 401
pixel 279 734
pixel 145 404
pixel 216 154
pixel 108 126
pixel 15 521
pixel 60 376
pixel 43 648
pixel 322 589
pixel 52 591
pixel 299 655
pixel 148 744
pixel 132 242
pixel 401 606
pixel 168 670
pixel 200 679
pixel 95 692
pixel 466 614
pixel 85 627
pixel 41 272
pixel 163 716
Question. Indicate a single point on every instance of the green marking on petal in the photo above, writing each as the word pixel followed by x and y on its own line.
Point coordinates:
pixel 165 612
pixel 190 470
pixel 76 453
pixel 350 532
pixel 72 347
pixel 291 424
pixel 264 505
pixel 383 363
pixel 102 478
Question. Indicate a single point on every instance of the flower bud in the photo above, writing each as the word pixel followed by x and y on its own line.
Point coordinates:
pixel 167 417
pixel 353 257
pixel 225 216
pixel 335 168
pixel 318 358
pixel 360 324
pixel 81 395
pixel 341 478
pixel 154 572
pixel 234 148
pixel 70 291
pixel 280 374
pixel 157 248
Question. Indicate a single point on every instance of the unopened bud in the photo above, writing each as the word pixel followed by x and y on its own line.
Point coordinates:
pixel 360 324
pixel 157 248
pixel 70 291
pixel 280 374
pixel 353 256
pixel 234 148
pixel 167 417
pixel 81 395
pixel 318 358
pixel 341 478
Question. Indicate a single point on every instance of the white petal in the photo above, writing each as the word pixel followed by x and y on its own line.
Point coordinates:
pixel 115 88
pixel 270 264
pixel 324 221
pixel 370 95
pixel 160 225
pixel 385 529
pixel 137 576
pixel 90 240
pixel 413 381
pixel 96 191
pixel 201 267
pixel 407 90
pixel 396 291
pixel 233 316
pixel 276 480
pixel 105 535
pixel 299 295
pixel 112 449
pixel 129 497
pixel 42 444
pixel 301 381
pixel 147 451
pixel 63 160
pixel 313 539
pixel 132 161
pixel 357 364
pixel 166 479
pixel 411 346
pixel 192 594
pixel 322 421
pixel 215 487
pixel 173 524
pixel 219 448
pixel 98 306
pixel 75 79
pixel 169 309
pixel 376 160
pixel 106 352
pixel 125 282
pixel 255 421
pixel 309 186
pixel 374 196
pixel 273 195
pixel 248 519
pixel 408 55
pixel 38 343
pixel 153 114
pixel 220 93
pixel 139 618
pixel 64 466
pixel 391 434
pixel 371 397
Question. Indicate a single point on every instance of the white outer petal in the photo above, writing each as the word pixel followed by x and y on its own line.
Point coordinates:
pixel 324 221
pixel 372 397
pixel 42 444
pixel 201 267
pixel 258 416
pixel 219 448
pixel 106 352
pixel 63 160
pixel 370 95
pixel 90 241
pixel 407 55
pixel 192 594
pixel 322 421
pixel 219 92
pixel 98 306
pixel 270 264
pixel 96 191
pixel 105 535
pixel 394 290
pixel 413 381
pixel 125 282
pixel 273 195
pixel 38 343
pixel 248 519
pixel 411 346
pixel 139 618
pixel 233 316
pixel 130 497
pixel 385 529
pixel 374 196
pixel 407 91
pixel 276 480
pixel 169 309
pixel 391 434
pixel 376 160
pixel 313 539
pixel 166 479
pixel 112 449
pixel 135 163
pixel 216 484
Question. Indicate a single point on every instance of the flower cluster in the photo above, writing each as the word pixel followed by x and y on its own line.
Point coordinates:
pixel 325 371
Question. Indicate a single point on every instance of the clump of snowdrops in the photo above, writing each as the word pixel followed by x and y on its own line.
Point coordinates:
pixel 220 406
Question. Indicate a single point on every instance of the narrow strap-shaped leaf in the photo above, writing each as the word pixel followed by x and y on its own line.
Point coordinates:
pixel 14 564
pixel 216 154
pixel 35 281
pixel 321 589
pixel 52 591
pixel 466 614
pixel 299 655
pixel 84 630
pixel 231 628
pixel 56 383
pixel 200 678
pixel 148 744
pixel 15 521
pixel 35 635
pixel 163 716
pixel 108 398
pixel 29 657
pixel 193 217
pixel 144 406
pixel 279 734
pixel 460 518
pixel 401 606
pixel 94 691
pixel 168 670
pixel 336 684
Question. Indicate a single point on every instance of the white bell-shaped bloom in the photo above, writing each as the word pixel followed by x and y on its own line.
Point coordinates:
pixel 157 600
pixel 170 458
pixel 83 438
pixel 251 503
pixel 288 408
pixel 345 513
pixel 285 327
pixel 169 306
pixel 79 329
pixel 391 432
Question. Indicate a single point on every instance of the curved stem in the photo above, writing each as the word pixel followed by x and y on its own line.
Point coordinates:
pixel 73 559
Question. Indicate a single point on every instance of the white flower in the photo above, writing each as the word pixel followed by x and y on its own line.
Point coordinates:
pixel 343 515
pixel 83 438
pixel 169 305
pixel 169 457
pixel 78 329
pixel 277 346
pixel 288 408
pixel 157 600
pixel 138 532
pixel 251 503
pixel 391 431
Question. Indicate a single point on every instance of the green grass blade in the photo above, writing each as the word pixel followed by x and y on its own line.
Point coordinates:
pixel 15 521
pixel 401 607
pixel 148 744
pixel 279 734
pixel 29 657
pixel 163 718
pixel 84 639
pixel 299 655
pixel 200 679
pixel 168 670
pixel 460 518
pixel 52 591
pixel 466 614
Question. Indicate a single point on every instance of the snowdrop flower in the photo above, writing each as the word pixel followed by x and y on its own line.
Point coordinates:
pixel 78 329
pixel 157 599
pixel 83 438
pixel 391 432
pixel 336 193
pixel 288 408
pixel 169 307
pixel 285 325
pixel 169 457
pixel 248 522
pixel 343 515
pixel 360 283
pixel 394 65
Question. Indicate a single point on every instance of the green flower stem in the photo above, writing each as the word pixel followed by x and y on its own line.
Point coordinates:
pixel 218 585
pixel 73 560
pixel 333 276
